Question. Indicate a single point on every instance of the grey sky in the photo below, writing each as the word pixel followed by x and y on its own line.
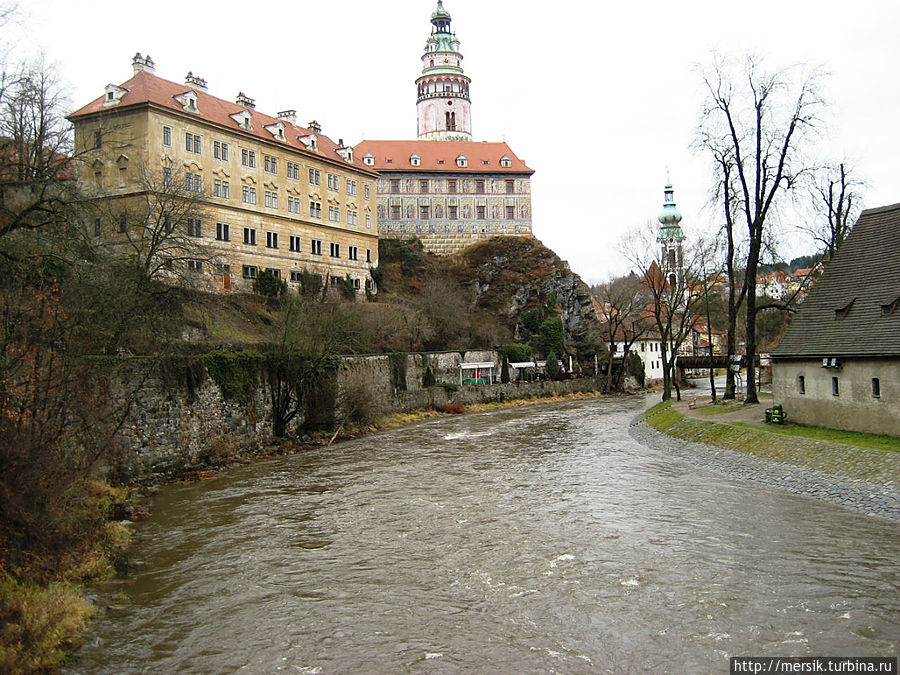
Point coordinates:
pixel 598 98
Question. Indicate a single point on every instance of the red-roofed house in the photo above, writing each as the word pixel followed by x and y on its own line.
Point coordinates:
pixel 275 196
pixel 444 188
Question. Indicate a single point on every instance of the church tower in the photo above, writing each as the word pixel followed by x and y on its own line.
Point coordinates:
pixel 443 108
pixel 671 238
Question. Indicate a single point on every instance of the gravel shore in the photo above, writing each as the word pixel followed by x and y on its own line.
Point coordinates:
pixel 881 498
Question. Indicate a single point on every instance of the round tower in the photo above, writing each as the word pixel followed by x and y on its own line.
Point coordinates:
pixel 443 106
pixel 671 238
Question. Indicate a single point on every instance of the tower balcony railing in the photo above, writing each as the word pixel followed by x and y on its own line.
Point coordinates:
pixel 444 94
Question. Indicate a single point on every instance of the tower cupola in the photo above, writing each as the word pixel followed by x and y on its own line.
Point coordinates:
pixel 444 110
pixel 671 237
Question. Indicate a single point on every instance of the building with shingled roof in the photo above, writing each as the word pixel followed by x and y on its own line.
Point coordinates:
pixel 444 188
pixel 274 195
pixel 838 365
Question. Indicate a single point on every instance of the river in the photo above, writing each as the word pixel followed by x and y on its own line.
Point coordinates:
pixel 537 539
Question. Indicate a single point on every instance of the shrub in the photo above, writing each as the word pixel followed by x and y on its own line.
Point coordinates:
pixel 516 352
pixel 504 370
pixel 377 274
pixel 428 378
pixel 38 624
pixel 358 403
pixel 267 284
pixel 551 336
pixel 552 366
pixel 450 408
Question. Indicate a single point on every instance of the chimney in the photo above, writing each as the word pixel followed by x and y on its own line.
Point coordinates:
pixel 246 101
pixel 288 116
pixel 315 127
pixel 195 81
pixel 139 63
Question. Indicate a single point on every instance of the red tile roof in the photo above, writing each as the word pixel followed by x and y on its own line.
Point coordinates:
pixel 395 156
pixel 146 88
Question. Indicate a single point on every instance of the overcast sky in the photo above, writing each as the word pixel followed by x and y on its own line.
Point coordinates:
pixel 599 98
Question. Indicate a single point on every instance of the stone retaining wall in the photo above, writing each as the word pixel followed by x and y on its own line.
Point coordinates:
pixel 173 427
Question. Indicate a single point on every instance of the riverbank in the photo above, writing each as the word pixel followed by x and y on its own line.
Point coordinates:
pixel 858 478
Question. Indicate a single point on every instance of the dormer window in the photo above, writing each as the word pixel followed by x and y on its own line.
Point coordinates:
pixel 277 130
pixel 462 161
pixel 243 119
pixel 188 101
pixel 505 161
pixel 891 307
pixel 346 154
pixel 114 95
pixel 844 311
pixel 310 141
pixel 369 159
pixel 415 160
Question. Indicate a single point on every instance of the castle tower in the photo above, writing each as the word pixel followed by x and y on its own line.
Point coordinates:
pixel 671 238
pixel 443 106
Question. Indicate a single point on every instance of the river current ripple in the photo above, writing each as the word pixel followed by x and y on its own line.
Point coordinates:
pixel 530 540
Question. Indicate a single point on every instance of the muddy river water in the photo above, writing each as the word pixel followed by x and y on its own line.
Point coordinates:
pixel 537 539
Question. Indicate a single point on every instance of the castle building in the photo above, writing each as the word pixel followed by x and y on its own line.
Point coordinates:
pixel 272 195
pixel 671 238
pixel 444 188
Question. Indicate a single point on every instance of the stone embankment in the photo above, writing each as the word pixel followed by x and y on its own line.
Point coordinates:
pixel 858 478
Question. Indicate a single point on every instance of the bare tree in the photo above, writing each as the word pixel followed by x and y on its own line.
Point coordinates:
pixel 837 203
pixel 671 298
pixel 623 302
pixel 158 227
pixel 755 123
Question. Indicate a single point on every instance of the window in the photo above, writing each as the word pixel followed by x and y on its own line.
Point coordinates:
pixel 248 195
pixel 167 136
pixel 352 253
pixel 194 229
pixel 368 255
pixel 315 247
pixel 395 186
pixel 296 276
pixel 334 214
pixel 167 178
pixel 510 187
pixel 271 200
pixel 315 177
pixel 220 150
pixel 271 164
pixel 250 236
pixel 275 273
pixel 423 186
pixel 479 212
pixel 191 142
pixel 835 387
pixel 876 388
pixel 395 212
pixel 250 271
pixel 248 158
pixel 223 268
pixel 195 266
pixel 352 217
pixel 293 170
pixel 335 250
pixel 294 205
pixel 510 212
pixel 368 221
pixel 193 182
pixel 351 187
pixel 453 212
pixel 223 232
pixel 315 209
pixel 98 139
pixel 366 188
pixel 294 244
pixel 221 189
pixel 479 187
pixel 451 186
pixel 334 182
pixel 801 384
pixel 271 240
pixel 423 212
